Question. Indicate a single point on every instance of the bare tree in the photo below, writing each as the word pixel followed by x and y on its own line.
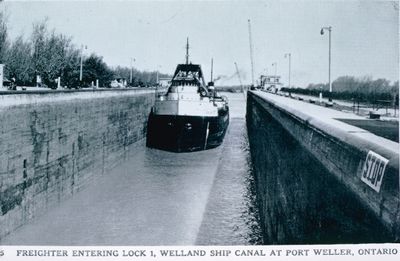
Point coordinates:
pixel 55 56
pixel 38 40
pixel 4 44
pixel 18 60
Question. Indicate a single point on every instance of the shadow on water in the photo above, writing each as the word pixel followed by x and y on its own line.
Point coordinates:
pixel 299 200
pixel 231 216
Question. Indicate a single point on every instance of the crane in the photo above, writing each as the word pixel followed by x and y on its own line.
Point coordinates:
pixel 240 80
pixel 251 54
pixel 238 74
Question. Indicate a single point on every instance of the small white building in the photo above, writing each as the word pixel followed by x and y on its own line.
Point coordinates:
pixel 118 82
pixel 270 83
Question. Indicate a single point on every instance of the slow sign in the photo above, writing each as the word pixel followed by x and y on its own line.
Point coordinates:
pixel 373 170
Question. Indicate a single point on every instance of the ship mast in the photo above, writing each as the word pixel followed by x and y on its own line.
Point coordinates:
pixel 211 69
pixel 187 50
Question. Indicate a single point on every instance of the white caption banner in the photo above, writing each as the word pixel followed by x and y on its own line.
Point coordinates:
pixel 221 253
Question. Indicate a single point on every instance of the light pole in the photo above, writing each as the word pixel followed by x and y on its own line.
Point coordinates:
pixel 131 72
pixel 329 28
pixel 275 65
pixel 289 55
pixel 264 82
pixel 80 71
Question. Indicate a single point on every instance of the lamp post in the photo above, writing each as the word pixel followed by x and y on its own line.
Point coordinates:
pixel 265 79
pixel 274 82
pixel 131 72
pixel 80 71
pixel 289 55
pixel 275 65
pixel 329 28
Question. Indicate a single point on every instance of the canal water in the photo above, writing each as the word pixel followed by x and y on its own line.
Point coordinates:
pixel 161 198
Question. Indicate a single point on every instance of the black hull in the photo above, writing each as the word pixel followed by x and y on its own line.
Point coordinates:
pixel 186 133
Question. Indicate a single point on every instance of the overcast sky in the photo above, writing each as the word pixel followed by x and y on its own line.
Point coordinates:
pixel 365 35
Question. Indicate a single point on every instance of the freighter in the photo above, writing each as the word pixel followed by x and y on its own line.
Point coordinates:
pixel 190 116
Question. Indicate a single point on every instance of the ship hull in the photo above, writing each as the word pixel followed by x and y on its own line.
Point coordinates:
pixel 186 133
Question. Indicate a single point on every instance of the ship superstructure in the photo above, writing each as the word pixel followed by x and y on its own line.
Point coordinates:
pixel 191 115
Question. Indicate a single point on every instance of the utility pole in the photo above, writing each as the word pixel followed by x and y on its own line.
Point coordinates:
pixel 251 53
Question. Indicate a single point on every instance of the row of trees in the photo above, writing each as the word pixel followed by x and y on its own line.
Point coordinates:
pixel 51 55
pixel 348 87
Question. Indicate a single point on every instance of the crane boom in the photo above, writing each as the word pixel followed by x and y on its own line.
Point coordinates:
pixel 251 54
pixel 240 80
pixel 238 74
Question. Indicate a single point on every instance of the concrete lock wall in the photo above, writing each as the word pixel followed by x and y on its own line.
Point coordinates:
pixel 53 143
pixel 309 183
